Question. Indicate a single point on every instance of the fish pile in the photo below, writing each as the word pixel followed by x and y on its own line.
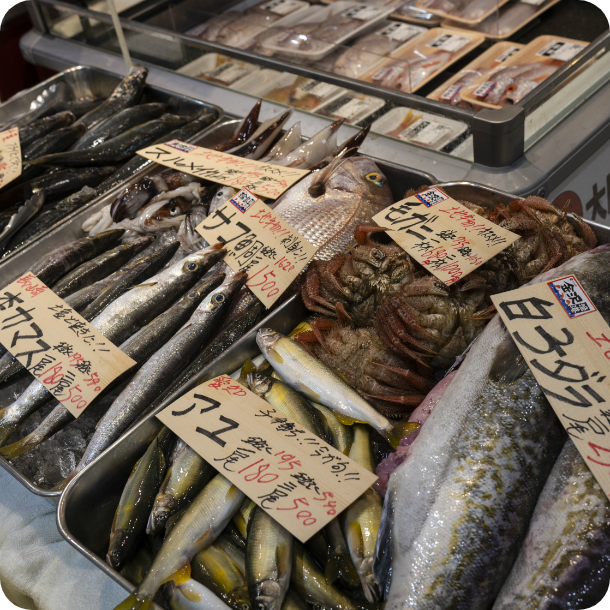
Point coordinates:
pixel 77 153
pixel 179 519
pixel 175 203
pixel 163 311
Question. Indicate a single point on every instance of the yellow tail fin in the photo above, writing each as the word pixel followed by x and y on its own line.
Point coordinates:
pixel 400 430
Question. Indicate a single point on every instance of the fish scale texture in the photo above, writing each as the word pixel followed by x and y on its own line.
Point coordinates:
pixel 38 569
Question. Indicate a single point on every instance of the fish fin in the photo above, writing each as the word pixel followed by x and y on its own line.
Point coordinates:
pixel 274 356
pixel 340 567
pixel 131 603
pixel 143 285
pixel 400 430
pixel 232 493
pixel 181 575
pixel 19 448
pixel 246 369
pixel 348 421
pixel 305 390
pixel 303 327
pixel 354 539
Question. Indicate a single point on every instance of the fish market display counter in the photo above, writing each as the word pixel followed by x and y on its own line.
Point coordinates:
pixel 547 137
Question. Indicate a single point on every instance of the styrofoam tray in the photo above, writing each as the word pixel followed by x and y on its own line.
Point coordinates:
pixel 368 16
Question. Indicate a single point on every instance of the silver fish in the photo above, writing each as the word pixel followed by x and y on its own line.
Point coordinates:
pixel 463 500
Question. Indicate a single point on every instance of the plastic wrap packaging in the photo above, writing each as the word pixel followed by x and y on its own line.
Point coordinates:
pixel 218 69
pixel 409 11
pixel 466 12
pixel 521 74
pixel 352 106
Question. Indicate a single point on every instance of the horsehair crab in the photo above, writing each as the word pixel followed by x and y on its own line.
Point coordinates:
pixel 359 279
pixel 393 383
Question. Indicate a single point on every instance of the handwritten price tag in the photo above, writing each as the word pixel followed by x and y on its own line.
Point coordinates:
pixel 10 156
pixel 566 344
pixel 261 178
pixel 63 351
pixel 290 473
pixel 445 236
pixel 259 242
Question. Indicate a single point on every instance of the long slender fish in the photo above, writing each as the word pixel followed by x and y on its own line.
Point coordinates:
pixel 463 499
pixel 161 368
pixel 27 211
pixel 197 529
pixel 307 375
pixel 37 129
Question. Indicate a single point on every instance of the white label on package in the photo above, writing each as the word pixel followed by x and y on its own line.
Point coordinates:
pixel 282 7
pixel 350 108
pixel 449 42
pixel 450 92
pixel 508 53
pixel 65 353
pixel 484 89
pixel 385 73
pixel 318 88
pixel 228 72
pixel 560 50
pixel 363 12
pixel 399 31
pixel 425 132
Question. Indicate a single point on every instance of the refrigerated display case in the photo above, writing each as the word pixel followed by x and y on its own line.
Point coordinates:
pixel 551 141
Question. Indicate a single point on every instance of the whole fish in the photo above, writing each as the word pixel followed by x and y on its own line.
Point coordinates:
pixel 451 514
pixel 186 477
pixel 285 399
pixel 130 518
pixel 47 219
pixel 307 375
pixel 161 368
pixel 126 93
pixel 115 150
pixel 55 141
pixel 361 518
pixel 199 526
pixel 236 553
pixel 527 82
pixel 260 141
pixel 268 561
pixel 60 261
pixel 348 194
pixel 119 123
pixel 25 213
pixel 192 595
pixel 68 180
pixel 139 347
pixel 340 436
pixel 137 164
pixel 310 584
pixel 314 150
pixel 564 560
pixel 37 129
pixel 121 319
pixel 245 130
pixel 100 267
pixel 214 569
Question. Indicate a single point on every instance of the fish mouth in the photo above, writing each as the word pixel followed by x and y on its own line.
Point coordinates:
pixel 267 337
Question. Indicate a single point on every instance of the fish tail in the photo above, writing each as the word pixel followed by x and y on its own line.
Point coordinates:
pixel 63 484
pixel 7 426
pixel 19 448
pixel 131 603
pixel 382 562
pixel 399 430
pixel 340 567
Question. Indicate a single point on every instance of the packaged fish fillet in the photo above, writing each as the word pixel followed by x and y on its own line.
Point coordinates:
pixel 352 106
pixel 368 50
pixel 511 82
pixel 218 68
pixel 510 18
pixel 421 128
pixel 413 65
pixel 495 56
pixel 314 34
pixel 262 79
pixel 467 12
pixel 236 29
pixel 409 11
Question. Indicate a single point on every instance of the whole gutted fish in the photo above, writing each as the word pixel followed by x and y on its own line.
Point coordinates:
pixel 196 530
pixel 348 194
pixel 309 376
pixel 463 499
pixel 161 368
pixel 268 561
pixel 130 519
pixel 127 93
pixel 565 559
pixel 119 123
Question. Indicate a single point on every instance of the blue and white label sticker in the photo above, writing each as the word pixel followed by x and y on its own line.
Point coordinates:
pixel 180 146
pixel 572 297
pixel 432 197
pixel 243 200
pixel 484 89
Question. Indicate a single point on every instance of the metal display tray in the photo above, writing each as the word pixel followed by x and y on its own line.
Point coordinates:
pixel 87 506
pixel 78 83
pixel 400 180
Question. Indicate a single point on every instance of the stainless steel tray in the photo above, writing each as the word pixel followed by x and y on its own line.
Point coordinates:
pixel 88 504
pixel 77 83
pixel 400 180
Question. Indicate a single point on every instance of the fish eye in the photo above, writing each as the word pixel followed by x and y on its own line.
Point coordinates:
pixel 375 177
pixel 219 298
pixel 192 266
pixel 173 211
pixel 192 295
